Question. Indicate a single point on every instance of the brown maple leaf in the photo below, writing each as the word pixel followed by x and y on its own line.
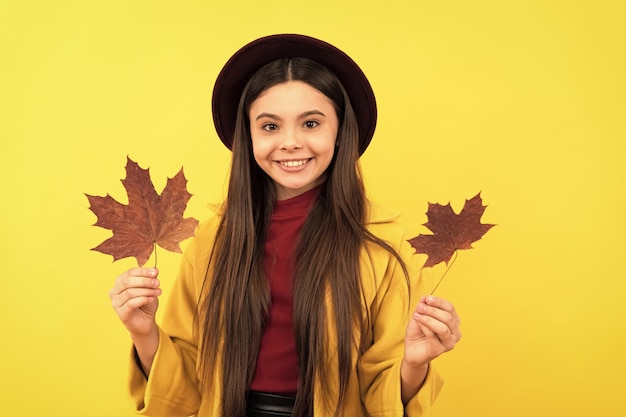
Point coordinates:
pixel 147 220
pixel 451 231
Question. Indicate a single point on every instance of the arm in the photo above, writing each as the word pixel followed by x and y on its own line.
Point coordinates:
pixel 172 386
pixel 411 380
pixel 168 353
pixel 134 298
pixel 162 373
pixel 432 330
pixel 397 364
pixel 146 348
pixel 388 385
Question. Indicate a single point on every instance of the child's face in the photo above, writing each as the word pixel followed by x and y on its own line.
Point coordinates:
pixel 294 130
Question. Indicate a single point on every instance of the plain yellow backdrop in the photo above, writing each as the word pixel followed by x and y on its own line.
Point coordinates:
pixel 520 100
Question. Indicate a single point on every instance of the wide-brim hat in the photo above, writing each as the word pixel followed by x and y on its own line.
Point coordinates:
pixel 235 74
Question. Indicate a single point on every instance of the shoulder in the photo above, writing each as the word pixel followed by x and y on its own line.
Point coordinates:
pixel 195 261
pixel 201 245
pixel 379 213
pixel 208 227
pixel 384 223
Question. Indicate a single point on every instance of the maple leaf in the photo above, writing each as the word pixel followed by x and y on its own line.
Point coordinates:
pixel 148 218
pixel 451 231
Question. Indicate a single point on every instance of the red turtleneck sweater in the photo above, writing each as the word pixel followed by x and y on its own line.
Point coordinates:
pixel 277 364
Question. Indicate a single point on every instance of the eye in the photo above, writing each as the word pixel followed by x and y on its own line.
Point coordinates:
pixel 310 124
pixel 269 127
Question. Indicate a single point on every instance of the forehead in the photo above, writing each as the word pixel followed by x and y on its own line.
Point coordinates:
pixel 291 97
pixel 291 91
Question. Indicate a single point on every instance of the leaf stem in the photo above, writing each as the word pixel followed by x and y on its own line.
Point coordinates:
pixel 155 255
pixel 456 254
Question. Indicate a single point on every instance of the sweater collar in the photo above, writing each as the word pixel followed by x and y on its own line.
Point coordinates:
pixel 294 206
pixel 377 214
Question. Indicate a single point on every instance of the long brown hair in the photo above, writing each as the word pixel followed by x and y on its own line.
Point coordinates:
pixel 237 296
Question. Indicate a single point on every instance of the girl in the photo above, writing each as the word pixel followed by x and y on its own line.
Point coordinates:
pixel 296 298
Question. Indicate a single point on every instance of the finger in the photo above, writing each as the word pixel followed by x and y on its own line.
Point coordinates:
pixel 432 325
pixel 137 302
pixel 442 338
pixel 142 272
pixel 446 306
pixel 127 276
pixel 122 299
pixel 427 331
pixel 441 315
pixel 127 311
pixel 137 277
pixel 440 303
pixel 135 282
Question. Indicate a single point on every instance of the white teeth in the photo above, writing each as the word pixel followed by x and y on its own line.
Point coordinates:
pixel 294 163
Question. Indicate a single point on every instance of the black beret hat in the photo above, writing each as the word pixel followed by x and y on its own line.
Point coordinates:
pixel 235 74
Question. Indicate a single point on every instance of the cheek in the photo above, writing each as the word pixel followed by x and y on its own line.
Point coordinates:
pixel 260 150
pixel 328 147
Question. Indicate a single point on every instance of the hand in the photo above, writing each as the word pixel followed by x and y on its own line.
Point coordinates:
pixel 432 330
pixel 135 300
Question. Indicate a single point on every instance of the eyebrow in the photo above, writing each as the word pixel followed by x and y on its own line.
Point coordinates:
pixel 305 114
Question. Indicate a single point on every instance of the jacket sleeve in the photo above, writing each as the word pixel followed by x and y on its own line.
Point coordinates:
pixel 173 388
pixel 390 308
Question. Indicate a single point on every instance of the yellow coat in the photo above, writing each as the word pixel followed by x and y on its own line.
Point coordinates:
pixel 173 387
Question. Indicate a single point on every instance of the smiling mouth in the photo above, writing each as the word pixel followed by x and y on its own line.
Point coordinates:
pixel 293 164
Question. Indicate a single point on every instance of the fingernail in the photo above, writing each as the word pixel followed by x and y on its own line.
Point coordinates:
pixel 431 299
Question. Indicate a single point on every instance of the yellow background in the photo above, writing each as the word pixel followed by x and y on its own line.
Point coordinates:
pixel 522 100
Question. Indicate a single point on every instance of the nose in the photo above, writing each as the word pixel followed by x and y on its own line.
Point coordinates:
pixel 290 141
